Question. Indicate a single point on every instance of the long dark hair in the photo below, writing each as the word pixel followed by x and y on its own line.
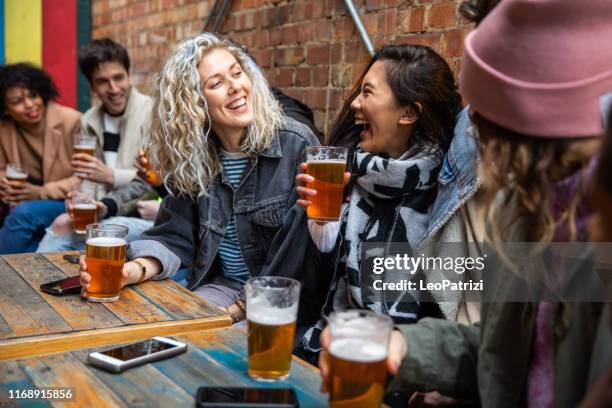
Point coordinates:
pixel 416 75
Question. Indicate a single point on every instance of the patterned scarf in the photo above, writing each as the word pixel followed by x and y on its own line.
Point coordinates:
pixel 389 203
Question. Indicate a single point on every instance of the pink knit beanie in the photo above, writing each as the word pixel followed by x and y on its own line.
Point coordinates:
pixel 539 67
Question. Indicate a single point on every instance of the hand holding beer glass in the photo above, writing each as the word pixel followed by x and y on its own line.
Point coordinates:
pixel 321 188
pixel 272 304
pixel 354 360
pixel 14 177
pixel 84 144
pixel 146 170
pixel 105 256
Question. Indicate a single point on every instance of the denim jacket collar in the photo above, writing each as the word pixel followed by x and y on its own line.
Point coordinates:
pixel 458 177
pixel 274 151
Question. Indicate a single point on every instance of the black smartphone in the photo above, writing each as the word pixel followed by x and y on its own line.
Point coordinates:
pixel 246 397
pixel 72 258
pixel 63 286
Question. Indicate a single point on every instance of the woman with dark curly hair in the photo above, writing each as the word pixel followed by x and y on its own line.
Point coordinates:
pixel 36 136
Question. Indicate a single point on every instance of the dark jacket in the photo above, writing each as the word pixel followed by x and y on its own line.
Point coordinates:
pixel 188 231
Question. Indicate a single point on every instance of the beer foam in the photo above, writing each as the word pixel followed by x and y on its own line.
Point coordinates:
pixel 106 241
pixel 358 350
pixel 85 206
pixel 15 174
pixel 85 146
pixel 259 310
pixel 327 161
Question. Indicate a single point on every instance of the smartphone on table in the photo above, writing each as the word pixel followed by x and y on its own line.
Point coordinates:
pixel 62 287
pixel 120 358
pixel 246 397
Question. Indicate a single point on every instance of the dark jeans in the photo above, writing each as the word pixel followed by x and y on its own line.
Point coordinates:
pixel 25 225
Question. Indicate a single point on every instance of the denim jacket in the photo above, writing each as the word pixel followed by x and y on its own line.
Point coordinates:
pixel 458 182
pixel 458 177
pixel 188 231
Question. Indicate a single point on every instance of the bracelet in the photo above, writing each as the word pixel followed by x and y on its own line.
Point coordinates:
pixel 143 270
pixel 232 316
pixel 241 305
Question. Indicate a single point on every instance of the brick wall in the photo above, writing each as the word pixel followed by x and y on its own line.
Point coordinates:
pixel 308 48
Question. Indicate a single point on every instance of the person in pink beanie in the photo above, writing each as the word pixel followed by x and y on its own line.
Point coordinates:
pixel 534 72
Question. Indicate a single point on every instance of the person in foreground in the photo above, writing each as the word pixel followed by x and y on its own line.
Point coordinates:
pixel 229 159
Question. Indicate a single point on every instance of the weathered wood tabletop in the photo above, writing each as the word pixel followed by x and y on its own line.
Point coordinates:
pixel 215 357
pixel 35 323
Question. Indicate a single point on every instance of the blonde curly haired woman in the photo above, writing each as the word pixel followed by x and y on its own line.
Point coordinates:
pixel 229 157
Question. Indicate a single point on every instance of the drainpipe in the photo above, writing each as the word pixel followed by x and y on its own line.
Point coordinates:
pixel 362 31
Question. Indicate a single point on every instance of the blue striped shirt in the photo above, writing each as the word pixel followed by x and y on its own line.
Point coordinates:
pixel 232 263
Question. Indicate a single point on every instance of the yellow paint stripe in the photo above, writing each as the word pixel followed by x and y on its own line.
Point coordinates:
pixel 23 25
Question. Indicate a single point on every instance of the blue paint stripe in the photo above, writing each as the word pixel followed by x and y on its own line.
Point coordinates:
pixel 2 41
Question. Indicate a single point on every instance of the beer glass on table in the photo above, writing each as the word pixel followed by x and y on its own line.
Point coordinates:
pixel 272 305
pixel 16 175
pixel 359 341
pixel 83 209
pixel 327 165
pixel 105 252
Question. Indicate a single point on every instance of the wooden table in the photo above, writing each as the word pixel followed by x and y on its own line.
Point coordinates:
pixel 35 323
pixel 214 358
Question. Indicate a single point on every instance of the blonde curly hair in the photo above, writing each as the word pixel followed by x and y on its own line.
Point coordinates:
pixel 186 154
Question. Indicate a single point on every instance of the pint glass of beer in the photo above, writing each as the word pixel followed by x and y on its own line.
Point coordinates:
pixel 105 252
pixel 84 143
pixel 327 165
pixel 272 304
pixel 83 209
pixel 359 341
pixel 16 175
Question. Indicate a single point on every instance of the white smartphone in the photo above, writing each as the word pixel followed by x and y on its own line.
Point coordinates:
pixel 120 358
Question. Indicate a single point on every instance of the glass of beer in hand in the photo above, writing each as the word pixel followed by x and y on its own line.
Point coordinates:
pixel 272 304
pixel 327 165
pixel 105 252
pixel 16 175
pixel 84 143
pixel 83 211
pixel 358 346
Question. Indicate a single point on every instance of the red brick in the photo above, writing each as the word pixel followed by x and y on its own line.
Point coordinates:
pixel 316 98
pixel 336 53
pixel 320 76
pixel 276 36
pixel 288 56
pixel 389 20
pixel 284 77
pixel 413 21
pixel 374 4
pixel 443 15
pixel 263 57
pixel 303 77
pixel 306 32
pixel 344 29
pixel 323 30
pixel 290 35
pixel 453 43
pixel 430 40
pixel 318 54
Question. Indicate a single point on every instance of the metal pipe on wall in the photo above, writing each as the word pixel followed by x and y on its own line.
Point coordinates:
pixel 360 27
